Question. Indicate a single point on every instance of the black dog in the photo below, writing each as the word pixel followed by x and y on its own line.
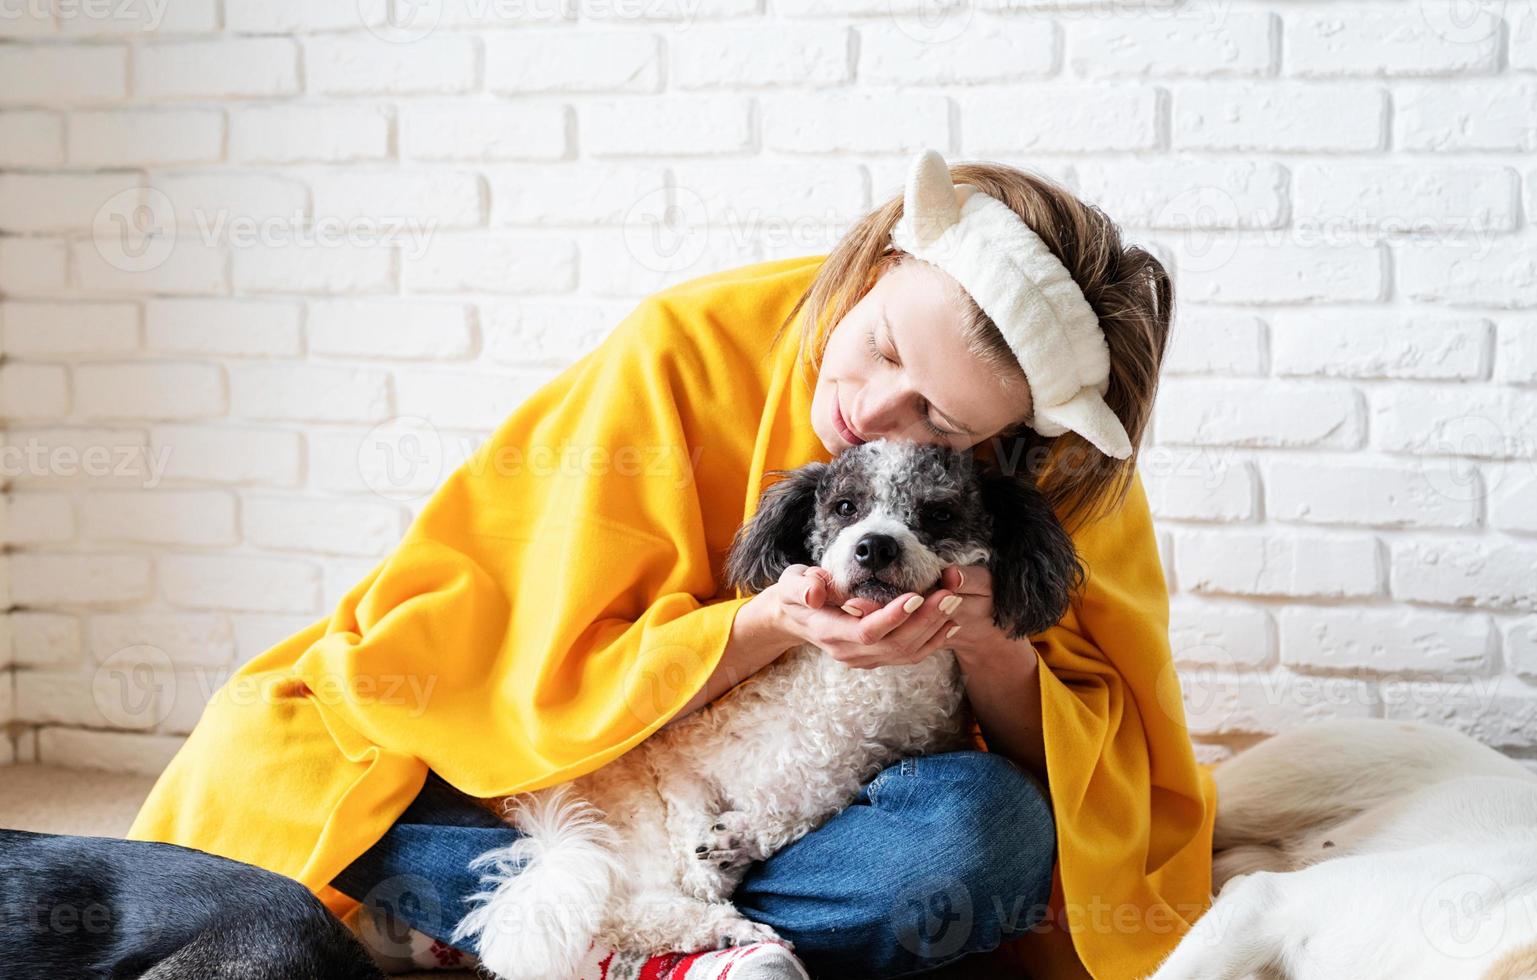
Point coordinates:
pixel 107 909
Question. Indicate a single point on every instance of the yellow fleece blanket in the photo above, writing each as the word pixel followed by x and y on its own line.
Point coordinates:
pixel 556 602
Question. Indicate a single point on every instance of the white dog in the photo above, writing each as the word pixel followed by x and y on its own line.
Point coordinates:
pixel 644 853
pixel 1369 849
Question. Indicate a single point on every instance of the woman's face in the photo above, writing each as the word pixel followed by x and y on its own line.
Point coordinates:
pixel 896 368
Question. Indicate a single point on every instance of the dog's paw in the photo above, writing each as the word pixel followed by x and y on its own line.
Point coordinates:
pixel 728 844
pixel 742 931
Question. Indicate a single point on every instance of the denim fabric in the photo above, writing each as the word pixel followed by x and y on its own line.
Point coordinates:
pixel 939 857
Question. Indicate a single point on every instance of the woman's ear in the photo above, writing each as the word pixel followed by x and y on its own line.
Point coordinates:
pixel 776 536
pixel 1035 567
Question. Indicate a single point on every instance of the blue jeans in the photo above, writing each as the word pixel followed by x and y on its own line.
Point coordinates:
pixel 941 856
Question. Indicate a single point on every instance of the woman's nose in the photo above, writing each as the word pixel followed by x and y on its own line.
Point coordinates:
pixel 880 414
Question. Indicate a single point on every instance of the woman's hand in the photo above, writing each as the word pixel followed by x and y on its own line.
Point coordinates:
pixel 977 637
pixel 861 633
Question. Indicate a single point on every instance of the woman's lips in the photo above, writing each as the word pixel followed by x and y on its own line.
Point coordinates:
pixel 843 427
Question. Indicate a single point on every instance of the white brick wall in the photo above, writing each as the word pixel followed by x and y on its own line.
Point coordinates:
pixel 236 236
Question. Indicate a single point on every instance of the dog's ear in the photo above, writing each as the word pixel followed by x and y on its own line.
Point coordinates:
pixel 1034 565
pixel 775 538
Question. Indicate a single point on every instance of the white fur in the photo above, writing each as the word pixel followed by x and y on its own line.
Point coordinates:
pixel 1360 849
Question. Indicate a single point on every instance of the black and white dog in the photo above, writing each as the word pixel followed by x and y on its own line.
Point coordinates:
pixel 644 853
pixel 98 908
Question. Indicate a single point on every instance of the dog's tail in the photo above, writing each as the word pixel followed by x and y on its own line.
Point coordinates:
pixel 547 892
pixel 1332 770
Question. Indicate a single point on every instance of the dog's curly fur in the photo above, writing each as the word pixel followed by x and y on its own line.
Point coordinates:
pixel 1364 848
pixel 645 852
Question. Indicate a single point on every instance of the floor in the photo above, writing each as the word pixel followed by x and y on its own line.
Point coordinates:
pixel 90 803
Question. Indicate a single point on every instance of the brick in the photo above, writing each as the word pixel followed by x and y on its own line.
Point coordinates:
pixel 1253 269
pixel 466 130
pixel 45 639
pixel 1279 117
pixel 33 266
pixel 302 392
pixel 1198 486
pixel 39 518
pixel 584 61
pixel 302 16
pixel 1499 712
pixel 229 582
pixel 1406 198
pixel 1059 118
pixel 1511 489
pixel 665 125
pixel 1379 344
pixel 1465 116
pixel 747 56
pixel 83 698
pixel 346 527
pixel 55 75
pixel 190 268
pixel 434 199
pixel 226 454
pixel 1522 27
pixel 1218 342
pixel 187 640
pixel 369 66
pixel 1515 359
pixel 1237 43
pixel 1470 272
pixel 1385 641
pixel 1277 563
pixel 58 202
pixel 538 331
pixel 390 329
pixel 322 134
pixel 995 51
pixel 119 752
pixel 211 206
pixel 1259 413
pixel 144 137
pixel 493 264
pixel 187 517
pixel 1351 40
pixel 1187 194
pixel 778 195
pixel 636 265
pixel 308 264
pixel 73 580
pixel 1488 423
pixel 1473 572
pixel 33 391
pixel 1220 635
pixel 573 193
pixel 31 139
pixel 148 391
pixel 249 68
pixel 1520 646
pixel 1369 494
pixel 242 327
pixel 1255 703
pixel 464 400
pixel 50 329
pixel 855 122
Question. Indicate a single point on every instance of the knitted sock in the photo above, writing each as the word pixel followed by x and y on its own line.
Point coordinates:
pixel 400 949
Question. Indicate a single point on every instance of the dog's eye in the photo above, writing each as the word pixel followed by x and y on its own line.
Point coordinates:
pixel 939 515
pixel 844 508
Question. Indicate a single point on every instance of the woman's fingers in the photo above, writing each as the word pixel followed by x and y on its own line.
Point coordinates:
pixel 971 579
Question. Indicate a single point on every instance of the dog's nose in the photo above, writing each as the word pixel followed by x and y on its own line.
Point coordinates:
pixel 876 551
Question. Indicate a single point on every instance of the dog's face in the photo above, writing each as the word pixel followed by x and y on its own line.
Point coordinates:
pixel 886 517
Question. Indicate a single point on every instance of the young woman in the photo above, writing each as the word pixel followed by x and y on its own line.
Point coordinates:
pixel 556 602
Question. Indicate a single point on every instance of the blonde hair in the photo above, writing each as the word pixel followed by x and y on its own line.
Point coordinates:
pixel 1127 287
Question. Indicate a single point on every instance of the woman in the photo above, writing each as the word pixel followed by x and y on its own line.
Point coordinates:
pixel 556 602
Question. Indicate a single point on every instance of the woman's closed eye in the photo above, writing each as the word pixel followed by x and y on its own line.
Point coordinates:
pixel 883 357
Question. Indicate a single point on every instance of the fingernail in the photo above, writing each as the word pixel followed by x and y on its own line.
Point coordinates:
pixel 806 599
pixel 961 576
pixel 912 604
pixel 948 604
pixel 952 631
pixel 852 609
